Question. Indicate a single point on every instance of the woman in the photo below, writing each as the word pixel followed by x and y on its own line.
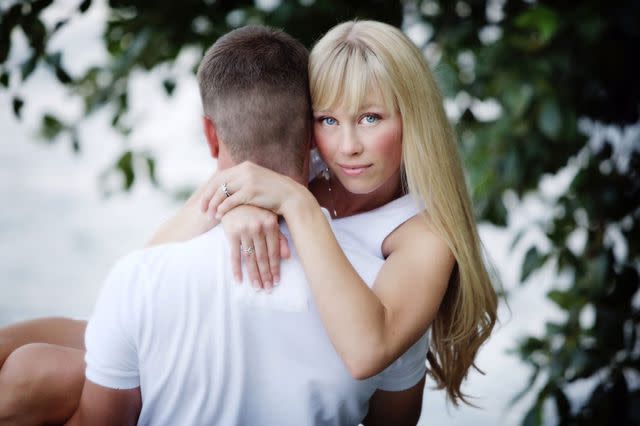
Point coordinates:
pixel 381 128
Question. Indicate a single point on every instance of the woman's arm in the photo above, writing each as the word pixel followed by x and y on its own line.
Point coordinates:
pixel 370 328
pixel 247 225
pixel 187 223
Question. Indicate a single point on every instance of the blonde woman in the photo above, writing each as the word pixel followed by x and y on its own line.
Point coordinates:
pixel 380 126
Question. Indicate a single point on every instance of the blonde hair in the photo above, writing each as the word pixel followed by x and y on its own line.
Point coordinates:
pixel 350 61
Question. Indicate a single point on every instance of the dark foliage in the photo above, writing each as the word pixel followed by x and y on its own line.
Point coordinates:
pixel 546 63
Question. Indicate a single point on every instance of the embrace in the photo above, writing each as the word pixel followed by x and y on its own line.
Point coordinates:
pixel 330 263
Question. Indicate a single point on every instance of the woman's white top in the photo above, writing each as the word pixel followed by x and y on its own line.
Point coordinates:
pixel 207 351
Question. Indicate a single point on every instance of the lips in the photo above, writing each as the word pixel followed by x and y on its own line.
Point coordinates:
pixel 354 170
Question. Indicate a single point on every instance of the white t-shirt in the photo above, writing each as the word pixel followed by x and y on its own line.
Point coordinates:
pixel 206 351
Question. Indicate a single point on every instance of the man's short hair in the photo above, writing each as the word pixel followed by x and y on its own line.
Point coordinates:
pixel 254 86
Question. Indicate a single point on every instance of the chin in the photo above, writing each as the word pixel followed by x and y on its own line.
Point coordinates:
pixel 359 188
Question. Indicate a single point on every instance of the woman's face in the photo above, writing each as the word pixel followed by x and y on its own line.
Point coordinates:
pixel 363 150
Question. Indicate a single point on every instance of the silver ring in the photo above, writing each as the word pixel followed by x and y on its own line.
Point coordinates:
pixel 247 251
pixel 225 189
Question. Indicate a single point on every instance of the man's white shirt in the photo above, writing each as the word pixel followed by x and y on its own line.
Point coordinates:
pixel 207 351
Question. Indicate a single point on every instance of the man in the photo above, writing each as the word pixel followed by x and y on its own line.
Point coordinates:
pixel 173 340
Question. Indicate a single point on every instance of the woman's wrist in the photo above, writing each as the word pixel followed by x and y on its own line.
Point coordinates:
pixel 299 202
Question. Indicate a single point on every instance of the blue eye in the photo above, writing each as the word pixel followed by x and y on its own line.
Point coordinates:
pixel 370 118
pixel 329 121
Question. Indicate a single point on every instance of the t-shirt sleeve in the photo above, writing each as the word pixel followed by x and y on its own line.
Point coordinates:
pixel 111 355
pixel 408 370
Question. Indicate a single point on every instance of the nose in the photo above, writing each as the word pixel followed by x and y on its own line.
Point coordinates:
pixel 350 144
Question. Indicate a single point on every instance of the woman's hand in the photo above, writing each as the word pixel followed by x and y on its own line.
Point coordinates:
pixel 254 234
pixel 248 183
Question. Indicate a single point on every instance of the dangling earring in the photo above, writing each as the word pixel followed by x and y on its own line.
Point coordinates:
pixel 327 176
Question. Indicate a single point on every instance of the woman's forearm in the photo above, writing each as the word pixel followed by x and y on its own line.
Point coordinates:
pixel 187 223
pixel 352 314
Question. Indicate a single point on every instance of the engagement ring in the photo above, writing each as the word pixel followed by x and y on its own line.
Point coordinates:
pixel 247 251
pixel 225 189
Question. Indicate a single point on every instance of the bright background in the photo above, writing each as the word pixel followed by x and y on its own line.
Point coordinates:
pixel 59 233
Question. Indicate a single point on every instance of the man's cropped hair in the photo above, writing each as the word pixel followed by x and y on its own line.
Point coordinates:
pixel 254 86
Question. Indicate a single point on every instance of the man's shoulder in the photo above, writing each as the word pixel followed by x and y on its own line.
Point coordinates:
pixel 210 243
pixel 179 256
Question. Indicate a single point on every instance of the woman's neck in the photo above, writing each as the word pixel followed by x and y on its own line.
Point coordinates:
pixel 333 196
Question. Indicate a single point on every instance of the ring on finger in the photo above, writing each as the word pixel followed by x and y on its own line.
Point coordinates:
pixel 247 251
pixel 225 189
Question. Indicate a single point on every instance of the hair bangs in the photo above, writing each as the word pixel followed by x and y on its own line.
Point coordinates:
pixel 348 78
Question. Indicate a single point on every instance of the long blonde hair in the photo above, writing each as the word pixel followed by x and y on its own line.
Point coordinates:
pixel 357 57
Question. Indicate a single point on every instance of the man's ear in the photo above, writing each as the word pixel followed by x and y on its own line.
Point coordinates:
pixel 211 135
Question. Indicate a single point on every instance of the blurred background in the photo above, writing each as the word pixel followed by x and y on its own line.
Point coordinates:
pixel 100 141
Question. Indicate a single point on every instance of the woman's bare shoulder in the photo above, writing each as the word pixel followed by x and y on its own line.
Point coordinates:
pixel 415 233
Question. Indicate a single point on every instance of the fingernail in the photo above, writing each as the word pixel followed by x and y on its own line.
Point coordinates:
pixel 256 286
pixel 267 284
pixel 269 290
pixel 276 280
pixel 238 279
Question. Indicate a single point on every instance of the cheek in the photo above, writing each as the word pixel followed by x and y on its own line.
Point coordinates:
pixel 324 143
pixel 389 147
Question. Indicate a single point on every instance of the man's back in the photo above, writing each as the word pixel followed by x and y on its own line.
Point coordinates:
pixel 209 351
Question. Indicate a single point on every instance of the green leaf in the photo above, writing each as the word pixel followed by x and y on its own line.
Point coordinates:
pixel 4 79
pixel 583 363
pixel 84 6
pixel 60 24
pixel 517 98
pixel 18 103
pixel 62 75
pixel 564 299
pixel 39 5
pixel 540 19
pixel 9 19
pixel 594 279
pixel 530 345
pixel 51 126
pixel 445 76
pixel 36 32
pixel 552 328
pixel 55 61
pixel 528 387
pixel 521 233
pixel 125 166
pixel 532 261
pixel 151 166
pixel 169 86
pixel 562 405
pixel 534 415
pixel 27 67
pixel 549 119
pixel 75 142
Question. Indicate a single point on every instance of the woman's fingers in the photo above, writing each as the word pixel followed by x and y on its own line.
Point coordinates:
pixel 248 253
pixel 262 259
pixel 207 193
pixel 285 251
pixel 214 202
pixel 272 236
pixel 224 203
